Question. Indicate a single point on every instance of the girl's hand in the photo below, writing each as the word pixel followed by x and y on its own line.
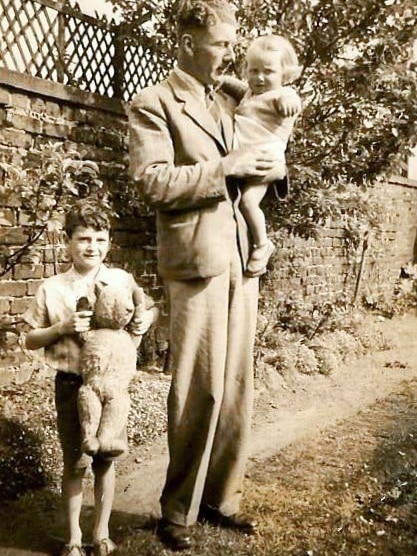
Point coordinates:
pixel 288 103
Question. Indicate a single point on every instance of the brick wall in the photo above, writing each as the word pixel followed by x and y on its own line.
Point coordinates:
pixel 33 111
pixel 324 268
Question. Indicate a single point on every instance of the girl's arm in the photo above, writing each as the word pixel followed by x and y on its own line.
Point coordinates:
pixel 288 102
pixel 233 87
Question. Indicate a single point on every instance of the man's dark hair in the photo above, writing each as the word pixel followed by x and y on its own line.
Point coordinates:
pixel 201 14
pixel 88 213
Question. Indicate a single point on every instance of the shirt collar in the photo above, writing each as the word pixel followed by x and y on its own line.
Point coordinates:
pixel 101 276
pixel 194 84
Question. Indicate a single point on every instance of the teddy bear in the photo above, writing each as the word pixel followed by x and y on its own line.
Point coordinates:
pixel 107 365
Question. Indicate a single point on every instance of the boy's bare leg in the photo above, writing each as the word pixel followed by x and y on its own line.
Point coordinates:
pixel 72 492
pixel 104 485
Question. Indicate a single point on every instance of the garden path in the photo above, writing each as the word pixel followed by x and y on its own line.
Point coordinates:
pixel 286 412
pixel 288 415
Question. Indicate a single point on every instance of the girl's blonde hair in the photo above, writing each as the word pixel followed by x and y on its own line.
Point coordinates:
pixel 291 68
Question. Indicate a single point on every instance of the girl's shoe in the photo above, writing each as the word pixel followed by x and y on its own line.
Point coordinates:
pixel 259 259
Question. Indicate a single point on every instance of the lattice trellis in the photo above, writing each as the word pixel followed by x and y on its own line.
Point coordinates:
pixel 141 69
pixel 89 55
pixel 51 40
pixel 29 33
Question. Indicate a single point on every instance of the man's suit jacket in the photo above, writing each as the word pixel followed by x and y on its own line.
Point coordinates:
pixel 175 156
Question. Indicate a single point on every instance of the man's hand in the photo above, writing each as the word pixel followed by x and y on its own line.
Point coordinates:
pixel 249 162
pixel 278 172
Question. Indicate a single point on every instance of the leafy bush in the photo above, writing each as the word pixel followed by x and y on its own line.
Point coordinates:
pixel 21 461
pixel 29 452
pixel 300 315
pixel 403 298
pixel 288 350
pixel 51 179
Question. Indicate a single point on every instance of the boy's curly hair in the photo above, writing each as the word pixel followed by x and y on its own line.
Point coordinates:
pixel 89 212
pixel 201 14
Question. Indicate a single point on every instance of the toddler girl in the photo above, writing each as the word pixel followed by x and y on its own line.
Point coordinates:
pixel 262 118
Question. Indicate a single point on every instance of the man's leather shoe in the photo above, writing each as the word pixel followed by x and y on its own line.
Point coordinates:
pixel 238 522
pixel 175 537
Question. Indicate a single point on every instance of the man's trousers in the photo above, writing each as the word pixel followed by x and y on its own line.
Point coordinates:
pixel 212 331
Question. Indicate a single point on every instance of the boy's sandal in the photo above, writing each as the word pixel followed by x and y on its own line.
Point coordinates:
pixel 73 550
pixel 103 547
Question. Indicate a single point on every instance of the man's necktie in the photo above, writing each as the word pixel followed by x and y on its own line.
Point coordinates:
pixel 213 106
pixel 215 109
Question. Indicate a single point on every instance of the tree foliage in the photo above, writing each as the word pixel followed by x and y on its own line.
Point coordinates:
pixel 51 179
pixel 358 87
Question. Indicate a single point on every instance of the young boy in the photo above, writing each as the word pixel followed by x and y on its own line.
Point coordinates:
pixel 55 325
pixel 265 116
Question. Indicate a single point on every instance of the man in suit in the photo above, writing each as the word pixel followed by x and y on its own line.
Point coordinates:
pixel 183 167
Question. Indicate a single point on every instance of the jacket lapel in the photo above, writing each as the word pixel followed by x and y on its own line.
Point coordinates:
pixel 194 108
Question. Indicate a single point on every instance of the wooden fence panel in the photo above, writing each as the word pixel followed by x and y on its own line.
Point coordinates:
pixel 55 41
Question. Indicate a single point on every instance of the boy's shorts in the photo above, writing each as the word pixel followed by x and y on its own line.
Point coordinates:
pixel 67 386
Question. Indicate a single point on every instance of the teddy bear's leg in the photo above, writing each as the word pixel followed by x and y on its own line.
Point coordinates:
pixel 113 421
pixel 89 411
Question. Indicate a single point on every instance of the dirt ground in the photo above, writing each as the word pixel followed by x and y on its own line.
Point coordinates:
pixel 310 433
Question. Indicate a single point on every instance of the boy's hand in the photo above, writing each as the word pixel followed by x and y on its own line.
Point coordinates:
pixel 288 103
pixel 141 322
pixel 78 322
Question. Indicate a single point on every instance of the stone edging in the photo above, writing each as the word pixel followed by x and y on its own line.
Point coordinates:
pixel 67 93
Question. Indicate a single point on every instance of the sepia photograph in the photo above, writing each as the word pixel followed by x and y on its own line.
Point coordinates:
pixel 208 277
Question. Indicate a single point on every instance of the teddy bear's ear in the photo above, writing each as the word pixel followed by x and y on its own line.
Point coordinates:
pixel 98 287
